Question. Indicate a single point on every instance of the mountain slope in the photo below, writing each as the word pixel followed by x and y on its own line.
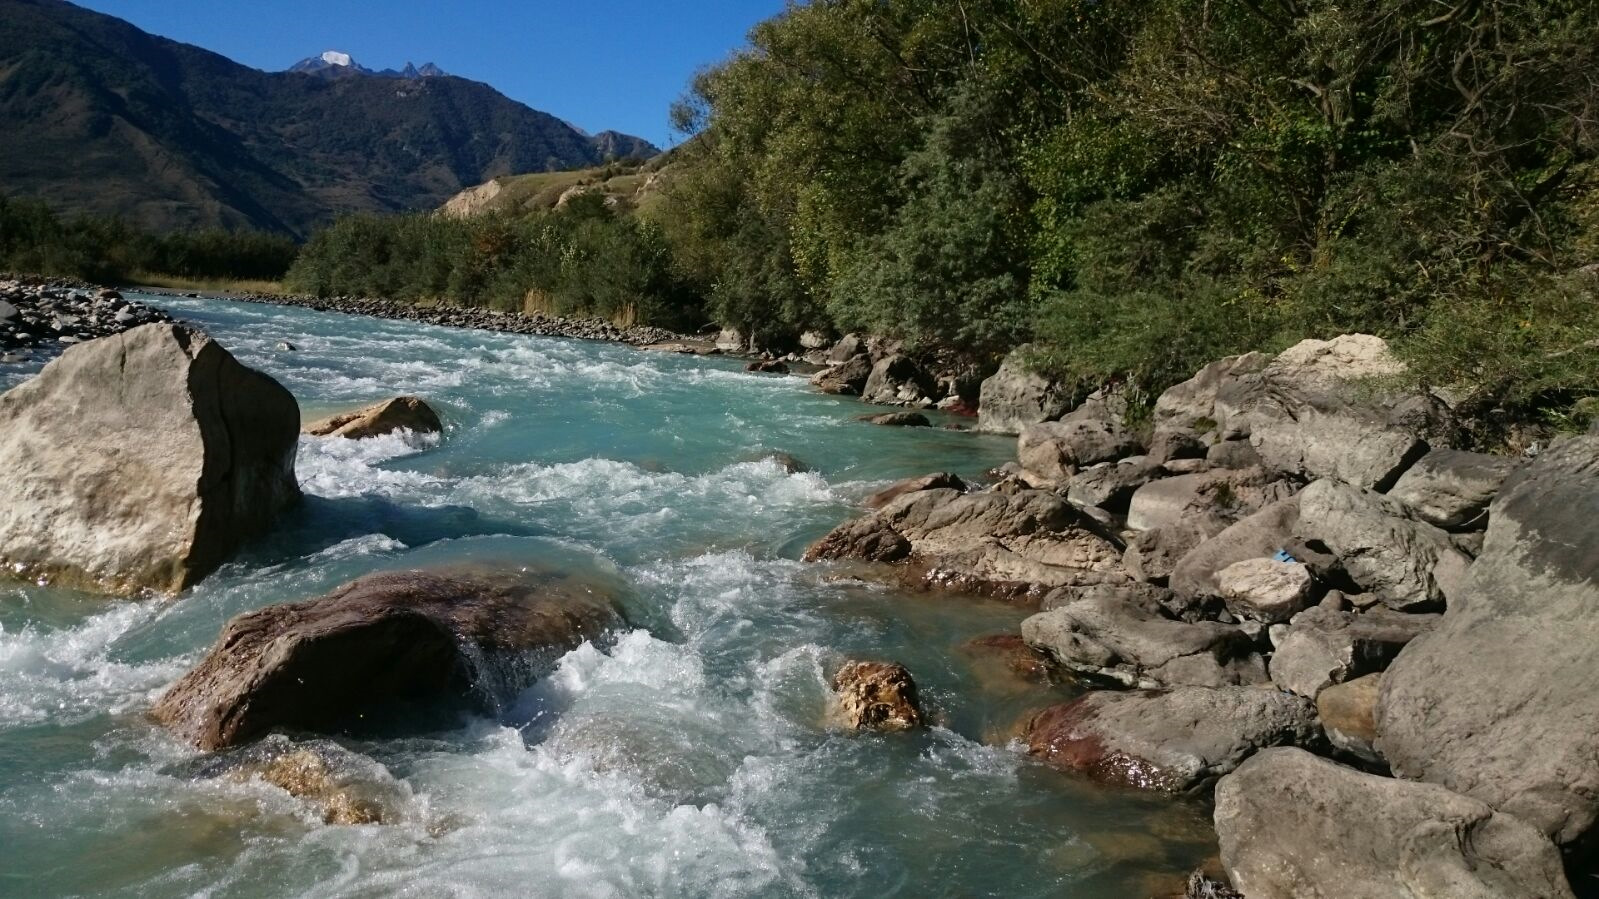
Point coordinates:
pixel 101 117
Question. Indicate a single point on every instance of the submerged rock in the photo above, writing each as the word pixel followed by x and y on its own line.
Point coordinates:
pixel 877 696
pixel 141 462
pixel 898 420
pixel 1293 826
pixel 1168 742
pixel 343 787
pixel 405 413
pixel 316 665
pixel 1501 702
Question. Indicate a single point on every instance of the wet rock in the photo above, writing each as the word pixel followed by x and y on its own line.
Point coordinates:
pixel 847 378
pixel 1016 397
pixel 1348 713
pixel 1261 534
pixel 1172 742
pixel 898 381
pixel 412 635
pixel 1054 451
pixel 1127 638
pixel 1265 590
pixel 1408 564
pixel 141 462
pixel 1027 537
pixel 1501 702
pixel 1212 500
pixel 898 420
pixel 768 367
pixel 406 413
pixel 1452 488
pixel 877 696
pixel 940 481
pixel 1324 409
pixel 286 347
pixel 1369 836
pixel 1023 660
pixel 1323 647
pixel 345 788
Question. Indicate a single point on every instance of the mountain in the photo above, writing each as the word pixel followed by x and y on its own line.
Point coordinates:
pixel 101 117
pixel 338 64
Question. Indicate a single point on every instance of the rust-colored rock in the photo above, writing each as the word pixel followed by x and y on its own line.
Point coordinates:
pixel 405 413
pixel 877 696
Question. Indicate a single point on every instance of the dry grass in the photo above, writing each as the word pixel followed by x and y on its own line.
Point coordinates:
pixel 219 285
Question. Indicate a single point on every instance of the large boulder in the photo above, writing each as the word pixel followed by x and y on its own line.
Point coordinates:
pixel 1171 742
pixel 1204 403
pixel 986 539
pixel 1054 451
pixel 1293 826
pixel 1153 555
pixel 1501 702
pixel 1260 535
pixel 1111 485
pixel 1127 637
pixel 1326 409
pixel 412 635
pixel 847 378
pixel 1016 396
pixel 1452 488
pixel 1408 564
pixel 1213 500
pixel 404 413
pixel 141 462
pixel 898 381
pixel 939 481
pixel 1323 647
pixel 1265 590
pixel 877 696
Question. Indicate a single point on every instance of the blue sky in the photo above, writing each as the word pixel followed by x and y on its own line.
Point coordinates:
pixel 598 64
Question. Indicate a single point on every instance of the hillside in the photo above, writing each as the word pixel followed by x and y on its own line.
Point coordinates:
pixel 630 184
pixel 101 117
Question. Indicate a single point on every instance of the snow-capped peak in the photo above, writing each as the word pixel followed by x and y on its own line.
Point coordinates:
pixel 336 58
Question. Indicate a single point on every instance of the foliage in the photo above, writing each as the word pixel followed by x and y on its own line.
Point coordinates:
pixel 35 240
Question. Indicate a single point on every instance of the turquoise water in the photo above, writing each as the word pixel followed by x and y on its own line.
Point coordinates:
pixel 691 758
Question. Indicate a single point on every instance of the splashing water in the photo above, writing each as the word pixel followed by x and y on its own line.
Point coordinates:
pixel 691 756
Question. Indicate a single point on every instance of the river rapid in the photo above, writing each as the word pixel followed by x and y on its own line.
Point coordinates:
pixel 693 756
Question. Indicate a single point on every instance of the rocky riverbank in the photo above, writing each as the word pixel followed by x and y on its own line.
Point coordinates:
pixel 42 317
pixel 533 324
pixel 1377 650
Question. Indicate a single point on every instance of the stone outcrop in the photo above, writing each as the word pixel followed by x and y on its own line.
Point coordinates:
pixel 1293 826
pixel 1126 637
pixel 1015 397
pixel 1452 488
pixel 877 696
pixel 405 413
pixel 1408 564
pixel 1054 451
pixel 1029 537
pixel 898 381
pixel 141 461
pixel 1501 702
pixel 400 636
pixel 1168 742
pixel 847 378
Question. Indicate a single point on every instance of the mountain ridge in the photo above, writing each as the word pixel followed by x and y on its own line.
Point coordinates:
pixel 104 118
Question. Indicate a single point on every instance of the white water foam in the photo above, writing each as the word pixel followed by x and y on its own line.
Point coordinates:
pixel 70 675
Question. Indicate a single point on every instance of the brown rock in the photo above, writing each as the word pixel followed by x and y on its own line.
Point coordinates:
pixel 877 696
pixel 1348 714
pixel 406 413
pixel 940 481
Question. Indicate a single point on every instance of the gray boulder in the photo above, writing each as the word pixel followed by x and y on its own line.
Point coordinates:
pixel 898 381
pixel 141 462
pixel 848 347
pixel 1054 451
pixel 1204 403
pixel 1501 702
pixel 1293 826
pixel 1323 647
pixel 847 378
pixel 1016 396
pixel 1325 409
pixel 1168 445
pixel 1128 638
pixel 1452 488
pixel 1260 535
pixel 1234 454
pixel 321 664
pixel 1265 590
pixel 1110 485
pixel 982 540
pixel 1174 742
pixel 1408 564
pixel 939 481
pixel 1212 500
pixel 1153 555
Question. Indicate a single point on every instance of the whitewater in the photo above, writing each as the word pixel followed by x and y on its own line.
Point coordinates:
pixel 691 756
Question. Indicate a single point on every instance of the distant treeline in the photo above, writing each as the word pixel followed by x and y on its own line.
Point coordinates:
pixel 35 240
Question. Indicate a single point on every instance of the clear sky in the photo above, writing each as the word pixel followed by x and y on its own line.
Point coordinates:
pixel 599 64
